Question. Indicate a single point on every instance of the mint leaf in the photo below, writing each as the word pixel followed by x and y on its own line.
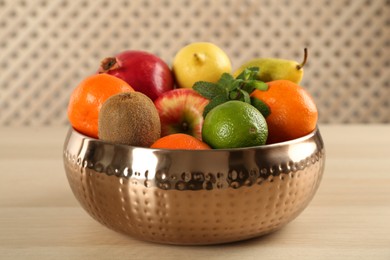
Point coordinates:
pixel 207 89
pixel 235 85
pixel 243 75
pixel 234 95
pixel 250 85
pixel 260 85
pixel 261 106
pixel 218 100
pixel 249 73
pixel 245 96
pixel 225 80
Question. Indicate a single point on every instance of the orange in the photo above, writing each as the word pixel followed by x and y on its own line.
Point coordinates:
pixel 88 97
pixel 180 141
pixel 293 111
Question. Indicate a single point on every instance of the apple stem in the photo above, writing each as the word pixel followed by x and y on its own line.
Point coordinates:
pixel 184 126
pixel 300 66
pixel 108 64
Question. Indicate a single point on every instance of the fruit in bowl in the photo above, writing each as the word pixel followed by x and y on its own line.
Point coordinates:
pixel 87 99
pixel 181 111
pixel 129 109
pixel 199 61
pixel 276 69
pixel 223 159
pixel 144 71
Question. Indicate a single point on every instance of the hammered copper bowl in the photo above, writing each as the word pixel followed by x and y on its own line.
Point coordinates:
pixel 194 197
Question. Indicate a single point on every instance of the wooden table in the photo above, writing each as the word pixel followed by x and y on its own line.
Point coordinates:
pixel 349 217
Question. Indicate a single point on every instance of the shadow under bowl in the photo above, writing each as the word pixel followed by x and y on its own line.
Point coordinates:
pixel 194 197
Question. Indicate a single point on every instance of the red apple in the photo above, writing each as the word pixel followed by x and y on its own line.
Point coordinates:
pixel 180 111
pixel 143 71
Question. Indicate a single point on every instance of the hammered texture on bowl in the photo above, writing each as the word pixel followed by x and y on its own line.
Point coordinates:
pixel 193 197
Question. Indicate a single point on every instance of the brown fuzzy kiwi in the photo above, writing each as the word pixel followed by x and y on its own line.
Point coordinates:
pixel 129 118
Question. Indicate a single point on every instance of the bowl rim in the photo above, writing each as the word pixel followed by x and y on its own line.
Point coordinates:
pixel 73 131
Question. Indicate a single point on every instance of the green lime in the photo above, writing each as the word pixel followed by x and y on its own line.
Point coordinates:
pixel 234 124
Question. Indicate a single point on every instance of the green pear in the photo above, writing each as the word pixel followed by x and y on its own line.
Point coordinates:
pixel 274 69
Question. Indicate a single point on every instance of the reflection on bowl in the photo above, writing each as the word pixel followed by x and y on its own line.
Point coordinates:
pixel 194 197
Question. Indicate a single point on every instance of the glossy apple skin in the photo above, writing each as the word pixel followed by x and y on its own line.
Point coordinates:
pixel 181 111
pixel 143 71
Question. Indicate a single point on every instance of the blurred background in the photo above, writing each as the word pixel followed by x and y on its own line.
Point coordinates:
pixel 48 47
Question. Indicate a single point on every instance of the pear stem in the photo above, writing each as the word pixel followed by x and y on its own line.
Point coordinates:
pixel 300 66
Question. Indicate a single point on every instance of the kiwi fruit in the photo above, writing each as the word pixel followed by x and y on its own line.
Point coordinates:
pixel 129 118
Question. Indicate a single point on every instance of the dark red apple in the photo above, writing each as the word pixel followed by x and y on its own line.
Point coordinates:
pixel 143 71
pixel 180 111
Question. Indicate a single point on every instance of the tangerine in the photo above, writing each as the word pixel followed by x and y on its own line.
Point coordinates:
pixel 180 141
pixel 293 111
pixel 88 97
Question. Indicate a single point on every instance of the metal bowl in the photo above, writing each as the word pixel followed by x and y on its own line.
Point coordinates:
pixel 194 197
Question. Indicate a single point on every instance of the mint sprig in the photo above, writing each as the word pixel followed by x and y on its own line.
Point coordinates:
pixel 216 101
pixel 208 90
pixel 229 88
pixel 261 106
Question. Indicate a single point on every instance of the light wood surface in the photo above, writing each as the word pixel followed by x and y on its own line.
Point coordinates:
pixel 349 218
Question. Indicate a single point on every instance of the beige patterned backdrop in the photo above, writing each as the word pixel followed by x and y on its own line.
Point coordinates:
pixel 48 47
